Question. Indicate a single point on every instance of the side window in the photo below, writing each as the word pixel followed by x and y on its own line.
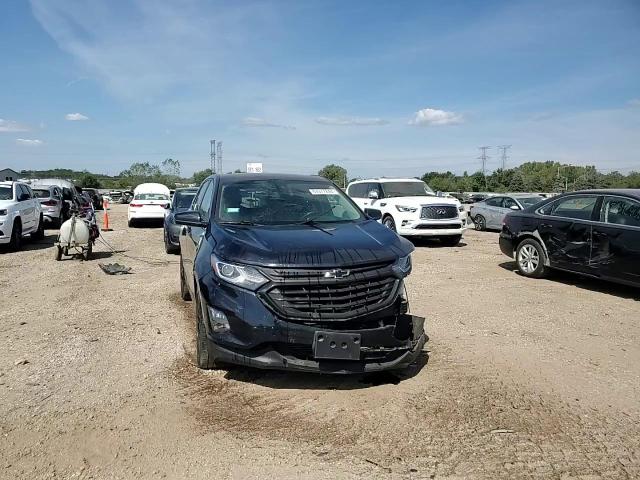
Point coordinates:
pixel 200 195
pixel 620 211
pixel 578 207
pixel 509 202
pixel 374 187
pixel 357 190
pixel 205 205
pixel 22 190
pixel 494 202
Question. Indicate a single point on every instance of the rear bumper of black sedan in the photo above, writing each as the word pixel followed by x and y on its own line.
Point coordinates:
pixel 507 244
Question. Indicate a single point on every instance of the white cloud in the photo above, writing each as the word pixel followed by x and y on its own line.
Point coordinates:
pixel 634 102
pixel 75 117
pixel 261 122
pixel 351 121
pixel 12 126
pixel 30 142
pixel 433 116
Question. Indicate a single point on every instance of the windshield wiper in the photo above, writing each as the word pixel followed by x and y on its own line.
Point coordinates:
pixel 313 221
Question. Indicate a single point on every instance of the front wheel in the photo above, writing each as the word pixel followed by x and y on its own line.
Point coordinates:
pixel 58 255
pixel 168 247
pixel 184 290
pixel 86 254
pixel 16 236
pixel 389 223
pixel 530 258
pixel 205 351
pixel 451 240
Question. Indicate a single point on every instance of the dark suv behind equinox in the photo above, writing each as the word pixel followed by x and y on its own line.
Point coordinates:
pixel 286 272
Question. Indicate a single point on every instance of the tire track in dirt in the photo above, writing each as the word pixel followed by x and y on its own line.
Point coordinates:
pixel 446 419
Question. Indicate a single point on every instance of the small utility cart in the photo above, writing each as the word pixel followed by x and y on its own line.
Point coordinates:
pixel 77 236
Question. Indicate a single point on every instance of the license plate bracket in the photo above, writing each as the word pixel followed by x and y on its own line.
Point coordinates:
pixel 336 346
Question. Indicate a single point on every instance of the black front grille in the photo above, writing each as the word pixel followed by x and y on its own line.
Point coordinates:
pixel 438 226
pixel 439 212
pixel 308 295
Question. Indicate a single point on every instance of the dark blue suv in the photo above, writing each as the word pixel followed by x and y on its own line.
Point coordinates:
pixel 287 273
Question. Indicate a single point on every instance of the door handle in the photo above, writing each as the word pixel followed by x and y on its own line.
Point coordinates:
pixel 545 225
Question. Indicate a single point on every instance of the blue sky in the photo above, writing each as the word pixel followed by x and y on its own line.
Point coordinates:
pixel 381 87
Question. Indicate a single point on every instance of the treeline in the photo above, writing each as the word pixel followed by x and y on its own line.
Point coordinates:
pixel 532 177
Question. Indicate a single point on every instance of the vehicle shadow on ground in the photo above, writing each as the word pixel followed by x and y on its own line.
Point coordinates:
pixel 32 244
pixel 587 283
pixel 282 379
pixel 433 243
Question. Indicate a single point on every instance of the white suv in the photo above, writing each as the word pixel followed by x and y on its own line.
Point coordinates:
pixel 410 208
pixel 20 214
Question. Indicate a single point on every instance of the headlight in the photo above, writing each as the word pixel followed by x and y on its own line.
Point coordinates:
pixel 3 213
pixel 402 208
pixel 461 208
pixel 241 275
pixel 403 265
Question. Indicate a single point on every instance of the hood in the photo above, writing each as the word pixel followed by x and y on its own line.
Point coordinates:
pixel 347 244
pixel 420 200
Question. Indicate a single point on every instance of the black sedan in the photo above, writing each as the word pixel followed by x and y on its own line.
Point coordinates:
pixel 593 232
pixel 182 199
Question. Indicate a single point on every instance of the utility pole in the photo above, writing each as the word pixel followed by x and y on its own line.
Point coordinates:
pixel 219 156
pixel 212 155
pixel 483 156
pixel 504 156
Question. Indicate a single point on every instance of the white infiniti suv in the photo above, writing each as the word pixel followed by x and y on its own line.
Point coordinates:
pixel 20 214
pixel 410 208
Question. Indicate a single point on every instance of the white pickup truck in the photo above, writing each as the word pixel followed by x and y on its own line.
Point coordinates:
pixel 20 214
pixel 410 208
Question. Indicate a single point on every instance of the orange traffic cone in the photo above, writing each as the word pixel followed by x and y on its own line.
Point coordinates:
pixel 105 218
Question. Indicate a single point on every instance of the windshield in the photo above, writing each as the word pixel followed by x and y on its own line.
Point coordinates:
pixel 406 189
pixel 281 202
pixel 151 196
pixel 5 192
pixel 41 193
pixel 529 201
pixel 183 200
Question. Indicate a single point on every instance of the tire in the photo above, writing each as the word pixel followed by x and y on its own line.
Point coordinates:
pixel 168 247
pixel 530 258
pixel 57 223
pixel 205 351
pixel 16 236
pixel 39 233
pixel 58 255
pixel 480 222
pixel 451 240
pixel 184 290
pixel 388 222
pixel 130 223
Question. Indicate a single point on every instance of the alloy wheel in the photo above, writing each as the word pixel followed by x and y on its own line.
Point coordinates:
pixel 528 259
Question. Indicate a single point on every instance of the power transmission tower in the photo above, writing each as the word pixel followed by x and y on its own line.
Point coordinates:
pixel 484 157
pixel 503 157
pixel 212 155
pixel 219 156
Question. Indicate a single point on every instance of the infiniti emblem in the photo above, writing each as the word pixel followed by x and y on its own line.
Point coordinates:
pixel 337 273
pixel 441 211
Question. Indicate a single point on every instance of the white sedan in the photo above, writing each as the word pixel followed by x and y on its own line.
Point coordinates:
pixel 148 206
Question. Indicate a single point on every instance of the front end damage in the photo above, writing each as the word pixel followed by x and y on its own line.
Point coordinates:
pixel 263 329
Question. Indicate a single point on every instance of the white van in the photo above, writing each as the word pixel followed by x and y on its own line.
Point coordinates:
pixel 150 201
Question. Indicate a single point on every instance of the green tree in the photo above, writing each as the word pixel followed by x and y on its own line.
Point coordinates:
pixel 199 176
pixel 171 167
pixel 88 180
pixel 335 173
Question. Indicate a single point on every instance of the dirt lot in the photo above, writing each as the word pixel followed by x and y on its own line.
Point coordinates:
pixel 524 378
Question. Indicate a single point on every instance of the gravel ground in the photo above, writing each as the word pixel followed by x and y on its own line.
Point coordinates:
pixel 523 378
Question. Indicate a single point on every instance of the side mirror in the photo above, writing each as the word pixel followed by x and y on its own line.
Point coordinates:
pixel 373 214
pixel 191 218
pixel 514 207
pixel 373 195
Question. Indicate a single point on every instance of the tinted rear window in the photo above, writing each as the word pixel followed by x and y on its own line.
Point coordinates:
pixel 183 199
pixel 41 193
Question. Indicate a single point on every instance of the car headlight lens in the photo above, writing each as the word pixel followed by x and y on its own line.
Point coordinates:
pixel 241 275
pixel 460 208
pixel 402 208
pixel 403 265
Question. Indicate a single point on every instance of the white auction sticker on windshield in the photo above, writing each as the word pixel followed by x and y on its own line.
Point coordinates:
pixel 323 191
